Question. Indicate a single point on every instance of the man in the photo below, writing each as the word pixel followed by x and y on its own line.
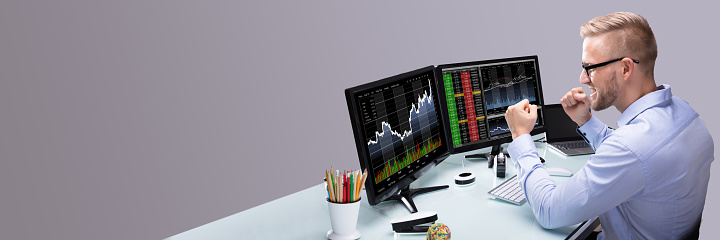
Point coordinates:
pixel 648 178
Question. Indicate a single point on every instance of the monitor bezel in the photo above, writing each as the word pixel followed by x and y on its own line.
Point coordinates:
pixel 444 110
pixel 359 136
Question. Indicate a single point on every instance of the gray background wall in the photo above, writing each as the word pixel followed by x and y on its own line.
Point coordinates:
pixel 144 119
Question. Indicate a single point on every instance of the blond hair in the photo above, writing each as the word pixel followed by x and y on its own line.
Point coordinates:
pixel 635 38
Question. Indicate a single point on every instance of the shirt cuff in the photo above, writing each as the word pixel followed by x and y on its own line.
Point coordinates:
pixel 591 129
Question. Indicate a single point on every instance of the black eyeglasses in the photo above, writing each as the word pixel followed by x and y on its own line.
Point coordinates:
pixel 587 68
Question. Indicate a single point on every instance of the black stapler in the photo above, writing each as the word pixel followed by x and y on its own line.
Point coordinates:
pixel 414 223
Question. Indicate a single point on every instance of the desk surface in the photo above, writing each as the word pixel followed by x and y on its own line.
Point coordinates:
pixel 468 210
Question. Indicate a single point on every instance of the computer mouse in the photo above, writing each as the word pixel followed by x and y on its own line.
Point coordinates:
pixel 559 171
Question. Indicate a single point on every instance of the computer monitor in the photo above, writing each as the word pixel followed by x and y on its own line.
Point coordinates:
pixel 475 95
pixel 398 133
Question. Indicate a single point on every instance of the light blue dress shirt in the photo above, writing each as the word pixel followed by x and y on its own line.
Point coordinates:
pixel 647 180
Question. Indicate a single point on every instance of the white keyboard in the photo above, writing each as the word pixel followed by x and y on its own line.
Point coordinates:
pixel 509 191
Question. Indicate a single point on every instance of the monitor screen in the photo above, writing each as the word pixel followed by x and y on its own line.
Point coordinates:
pixel 475 96
pixel 398 130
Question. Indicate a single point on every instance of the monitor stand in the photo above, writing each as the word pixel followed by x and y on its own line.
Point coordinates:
pixel 496 149
pixel 405 195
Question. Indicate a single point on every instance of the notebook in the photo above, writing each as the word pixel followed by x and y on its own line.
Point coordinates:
pixel 562 134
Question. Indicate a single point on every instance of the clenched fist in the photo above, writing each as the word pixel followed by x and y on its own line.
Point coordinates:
pixel 521 118
pixel 577 105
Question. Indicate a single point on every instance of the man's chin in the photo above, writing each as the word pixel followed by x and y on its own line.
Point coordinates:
pixel 598 107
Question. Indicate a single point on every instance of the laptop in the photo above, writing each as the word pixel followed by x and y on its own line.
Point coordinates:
pixel 562 134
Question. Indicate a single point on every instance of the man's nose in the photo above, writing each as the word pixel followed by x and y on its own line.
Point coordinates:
pixel 584 78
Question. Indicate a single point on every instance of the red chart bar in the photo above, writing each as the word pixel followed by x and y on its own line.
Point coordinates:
pixel 469 105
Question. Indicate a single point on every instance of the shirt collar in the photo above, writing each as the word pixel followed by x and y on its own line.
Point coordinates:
pixel 661 95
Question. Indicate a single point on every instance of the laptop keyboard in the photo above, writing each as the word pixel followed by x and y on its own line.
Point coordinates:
pixel 571 145
pixel 510 191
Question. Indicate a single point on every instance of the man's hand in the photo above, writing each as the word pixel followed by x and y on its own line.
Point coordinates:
pixel 577 105
pixel 521 118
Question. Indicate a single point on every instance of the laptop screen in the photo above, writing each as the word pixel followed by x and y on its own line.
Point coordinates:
pixel 559 125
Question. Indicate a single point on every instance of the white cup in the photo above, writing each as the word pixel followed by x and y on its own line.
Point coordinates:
pixel 343 218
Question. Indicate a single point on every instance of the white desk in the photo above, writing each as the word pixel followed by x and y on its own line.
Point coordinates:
pixel 468 211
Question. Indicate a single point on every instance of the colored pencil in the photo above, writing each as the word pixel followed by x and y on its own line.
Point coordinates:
pixel 337 186
pixel 358 187
pixel 332 181
pixel 345 183
pixel 331 193
pixel 362 182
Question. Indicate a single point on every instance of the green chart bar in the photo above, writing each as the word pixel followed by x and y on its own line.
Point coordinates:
pixel 452 110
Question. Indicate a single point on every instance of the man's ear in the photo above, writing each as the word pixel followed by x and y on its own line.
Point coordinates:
pixel 627 68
